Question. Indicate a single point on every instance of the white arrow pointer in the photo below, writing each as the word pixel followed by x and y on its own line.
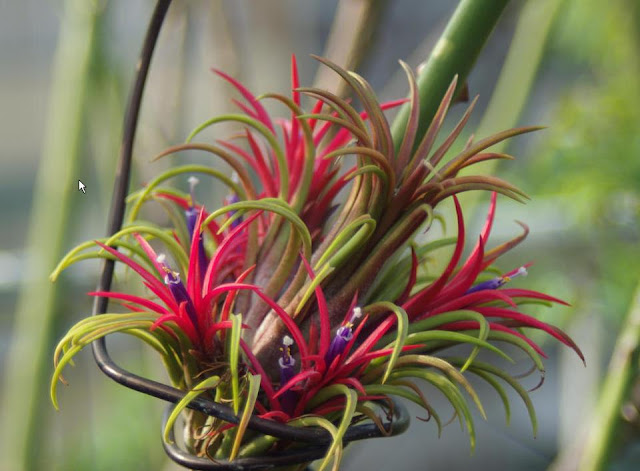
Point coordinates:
pixel 81 186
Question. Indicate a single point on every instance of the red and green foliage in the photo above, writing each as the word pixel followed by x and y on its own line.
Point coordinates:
pixel 307 292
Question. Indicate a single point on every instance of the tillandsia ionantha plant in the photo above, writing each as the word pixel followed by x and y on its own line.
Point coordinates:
pixel 310 295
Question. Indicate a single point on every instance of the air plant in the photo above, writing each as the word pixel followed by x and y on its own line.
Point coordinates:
pixel 310 295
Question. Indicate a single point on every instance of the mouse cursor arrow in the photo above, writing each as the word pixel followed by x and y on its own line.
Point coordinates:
pixel 81 186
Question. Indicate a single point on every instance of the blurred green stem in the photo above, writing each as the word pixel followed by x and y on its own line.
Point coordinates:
pixel 455 53
pixel 517 76
pixel 518 72
pixel 352 33
pixel 27 366
pixel 615 390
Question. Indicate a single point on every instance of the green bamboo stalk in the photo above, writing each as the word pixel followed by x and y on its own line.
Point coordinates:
pixel 615 390
pixel 518 72
pixel 455 53
pixel 28 363
pixel 516 79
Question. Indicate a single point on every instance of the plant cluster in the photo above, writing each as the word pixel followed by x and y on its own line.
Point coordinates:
pixel 310 296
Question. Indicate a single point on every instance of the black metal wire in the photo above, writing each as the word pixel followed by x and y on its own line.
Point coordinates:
pixel 123 170
pixel 397 425
pixel 162 391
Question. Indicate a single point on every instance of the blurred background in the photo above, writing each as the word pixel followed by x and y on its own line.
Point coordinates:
pixel 571 65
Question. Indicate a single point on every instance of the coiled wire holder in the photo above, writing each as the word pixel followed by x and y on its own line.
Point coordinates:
pixel 318 440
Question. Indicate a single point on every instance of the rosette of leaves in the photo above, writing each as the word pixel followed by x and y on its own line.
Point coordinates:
pixel 309 295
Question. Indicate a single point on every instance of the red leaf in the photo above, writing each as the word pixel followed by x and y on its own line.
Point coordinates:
pixel 354 383
pixel 277 415
pixel 470 301
pixel 413 275
pixel 228 302
pixel 184 324
pixel 257 164
pixel 158 286
pixel 221 251
pixel 128 297
pixel 263 116
pixel 153 257
pixel 473 325
pixel 289 323
pixel 323 311
pixel 265 383
pixel 295 380
pixel 273 183
pixel 525 293
pixel 295 80
pixel 526 320
pixel 467 275
pixel 412 306
pixel 185 204
pixel 164 295
pixel 193 276
pixel 218 290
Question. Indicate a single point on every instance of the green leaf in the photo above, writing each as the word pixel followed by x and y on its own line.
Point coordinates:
pixel 201 387
pixel 174 248
pixel 395 390
pixel 518 342
pixel 448 369
pixel 344 110
pixel 451 392
pixel 234 355
pixel 455 164
pixel 273 205
pixel 414 387
pixel 376 156
pixel 320 276
pixel 360 134
pixel 266 133
pixel 379 126
pixel 395 274
pixel 455 316
pixel 72 256
pixel 95 327
pixel 252 395
pixel 335 449
pixel 351 400
pixel 402 331
pixel 177 217
pixel 300 197
pixel 258 446
pixel 409 136
pixel 499 389
pixel 233 162
pixel 181 170
pixel 453 338
pixel 346 243
pixel 481 366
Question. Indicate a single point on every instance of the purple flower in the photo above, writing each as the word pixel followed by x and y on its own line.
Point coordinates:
pixel 191 215
pixel 178 291
pixel 287 364
pixel 496 283
pixel 343 335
